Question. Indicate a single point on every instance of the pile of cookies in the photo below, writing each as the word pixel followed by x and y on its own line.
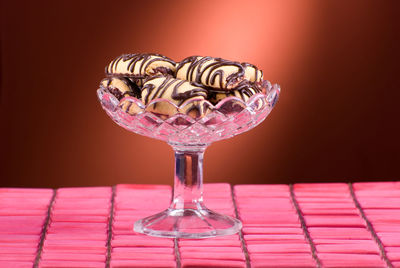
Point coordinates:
pixel 195 80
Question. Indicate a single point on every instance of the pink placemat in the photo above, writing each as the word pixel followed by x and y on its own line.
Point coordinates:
pixel 301 225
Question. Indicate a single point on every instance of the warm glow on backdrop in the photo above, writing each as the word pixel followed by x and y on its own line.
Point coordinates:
pixel 336 61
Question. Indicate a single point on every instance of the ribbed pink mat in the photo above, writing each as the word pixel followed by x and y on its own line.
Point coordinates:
pixel 301 225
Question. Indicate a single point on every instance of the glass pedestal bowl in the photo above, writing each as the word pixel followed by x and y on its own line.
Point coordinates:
pixel 187 216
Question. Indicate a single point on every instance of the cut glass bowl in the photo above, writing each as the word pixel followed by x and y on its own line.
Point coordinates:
pixel 187 216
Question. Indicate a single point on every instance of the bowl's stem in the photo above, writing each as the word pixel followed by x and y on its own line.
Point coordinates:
pixel 187 217
pixel 188 179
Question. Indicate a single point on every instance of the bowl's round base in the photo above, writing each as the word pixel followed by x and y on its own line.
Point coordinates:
pixel 188 223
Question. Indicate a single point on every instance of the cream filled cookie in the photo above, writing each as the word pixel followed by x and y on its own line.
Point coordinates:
pixel 212 72
pixel 244 92
pixel 141 65
pixel 176 91
pixel 120 87
pixel 129 106
pixel 252 73
pixel 196 81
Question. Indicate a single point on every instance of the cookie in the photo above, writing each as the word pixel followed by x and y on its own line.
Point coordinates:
pixel 120 87
pixel 129 106
pixel 252 73
pixel 141 65
pixel 212 72
pixel 177 91
pixel 189 87
pixel 243 93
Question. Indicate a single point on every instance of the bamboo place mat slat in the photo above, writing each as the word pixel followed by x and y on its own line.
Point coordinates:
pixel 300 225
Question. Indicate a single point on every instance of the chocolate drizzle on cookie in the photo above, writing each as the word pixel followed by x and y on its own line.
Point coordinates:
pixel 151 91
pixel 119 93
pixel 258 75
pixel 144 60
pixel 208 70
pixel 194 80
pixel 244 91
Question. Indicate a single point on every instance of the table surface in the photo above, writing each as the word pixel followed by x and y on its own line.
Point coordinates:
pixel 300 225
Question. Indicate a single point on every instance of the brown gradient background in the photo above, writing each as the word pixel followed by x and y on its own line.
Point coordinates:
pixel 337 62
